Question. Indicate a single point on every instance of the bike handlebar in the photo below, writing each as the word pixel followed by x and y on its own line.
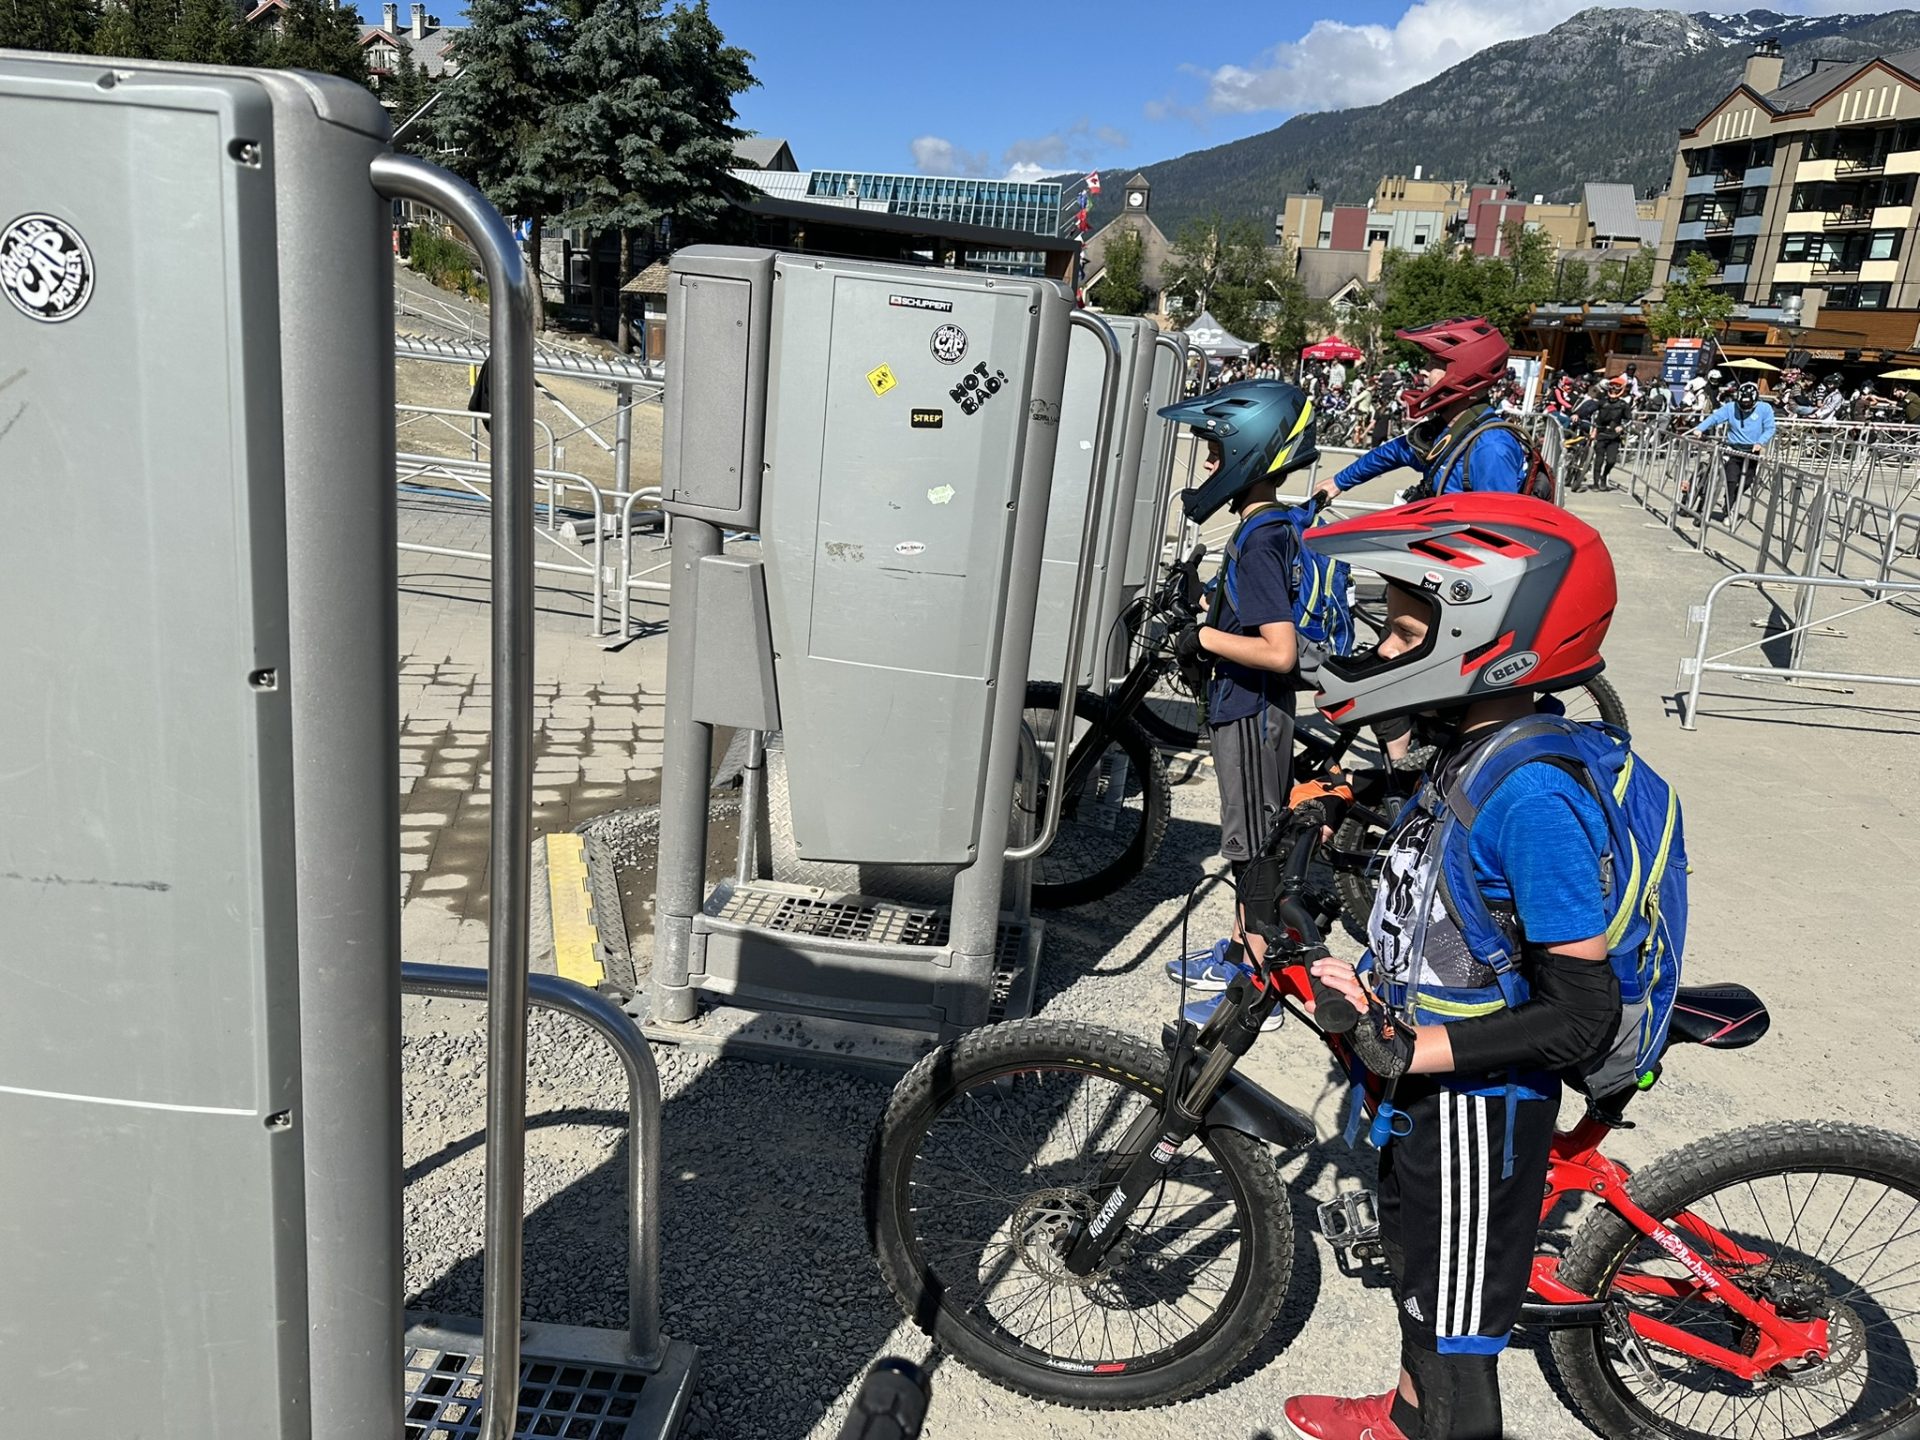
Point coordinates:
pixel 1332 1011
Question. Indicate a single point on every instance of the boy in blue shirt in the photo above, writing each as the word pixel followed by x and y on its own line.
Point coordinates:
pixel 1491 600
pixel 1256 432
pixel 1457 441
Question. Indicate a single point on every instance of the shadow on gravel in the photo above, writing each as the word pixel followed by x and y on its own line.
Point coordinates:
pixel 764 1251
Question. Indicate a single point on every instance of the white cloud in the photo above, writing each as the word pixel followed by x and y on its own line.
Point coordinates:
pixel 1078 147
pixel 1027 170
pixel 934 156
pixel 1336 65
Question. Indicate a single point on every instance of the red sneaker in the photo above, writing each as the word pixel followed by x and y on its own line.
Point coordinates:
pixel 1329 1417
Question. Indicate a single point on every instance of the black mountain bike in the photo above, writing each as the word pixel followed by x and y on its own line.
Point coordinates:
pixel 1096 1221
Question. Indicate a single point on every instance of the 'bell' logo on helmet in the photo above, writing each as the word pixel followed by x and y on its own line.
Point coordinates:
pixel 1512 668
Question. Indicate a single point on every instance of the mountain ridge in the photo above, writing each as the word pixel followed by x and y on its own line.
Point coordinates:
pixel 1601 96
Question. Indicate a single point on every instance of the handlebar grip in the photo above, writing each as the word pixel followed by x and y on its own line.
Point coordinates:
pixel 1332 1011
pixel 891 1403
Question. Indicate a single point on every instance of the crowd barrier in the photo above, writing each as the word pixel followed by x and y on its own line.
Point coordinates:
pixel 1826 507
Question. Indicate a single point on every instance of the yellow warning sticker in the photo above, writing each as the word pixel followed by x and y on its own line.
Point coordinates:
pixel 881 379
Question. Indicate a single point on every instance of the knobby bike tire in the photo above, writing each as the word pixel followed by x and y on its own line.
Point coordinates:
pixel 1063 877
pixel 1603 1387
pixel 1171 715
pixel 979 1070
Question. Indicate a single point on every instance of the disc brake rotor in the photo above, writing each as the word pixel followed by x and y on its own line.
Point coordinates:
pixel 1800 1294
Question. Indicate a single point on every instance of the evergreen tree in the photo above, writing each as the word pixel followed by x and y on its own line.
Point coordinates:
pixel 137 29
pixel 210 32
pixel 1122 289
pixel 403 92
pixel 316 36
pixel 65 26
pixel 645 138
pixel 496 115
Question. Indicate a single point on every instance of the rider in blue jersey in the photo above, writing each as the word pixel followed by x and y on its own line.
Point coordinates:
pixel 1456 441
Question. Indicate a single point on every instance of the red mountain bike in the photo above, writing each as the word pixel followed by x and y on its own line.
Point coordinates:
pixel 1098 1222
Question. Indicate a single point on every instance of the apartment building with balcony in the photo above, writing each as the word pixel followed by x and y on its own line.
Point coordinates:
pixel 1805 188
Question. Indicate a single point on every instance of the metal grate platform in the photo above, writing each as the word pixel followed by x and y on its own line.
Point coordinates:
pixel 843 918
pixel 571 1401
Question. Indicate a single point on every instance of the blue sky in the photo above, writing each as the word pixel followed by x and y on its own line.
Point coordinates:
pixel 955 89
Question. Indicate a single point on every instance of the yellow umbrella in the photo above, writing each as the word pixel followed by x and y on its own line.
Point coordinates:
pixel 1907 374
pixel 1750 362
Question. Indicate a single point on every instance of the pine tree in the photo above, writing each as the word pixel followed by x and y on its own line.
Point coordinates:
pixel 314 35
pixel 496 116
pixel 646 137
pixel 64 26
pixel 1123 288
pixel 210 32
pixel 137 29
pixel 405 91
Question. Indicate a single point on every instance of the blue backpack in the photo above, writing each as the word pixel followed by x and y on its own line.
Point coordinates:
pixel 1644 871
pixel 1322 587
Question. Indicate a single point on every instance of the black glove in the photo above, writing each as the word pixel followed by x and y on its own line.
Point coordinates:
pixel 1186 645
pixel 1383 1043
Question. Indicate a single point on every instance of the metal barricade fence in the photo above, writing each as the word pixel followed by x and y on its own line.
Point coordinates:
pixel 1695 668
pixel 473 432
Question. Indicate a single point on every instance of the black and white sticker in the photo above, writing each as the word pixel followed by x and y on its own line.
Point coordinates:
pixel 976 387
pixel 949 344
pixel 926 419
pixel 1512 668
pixel 920 302
pixel 46 269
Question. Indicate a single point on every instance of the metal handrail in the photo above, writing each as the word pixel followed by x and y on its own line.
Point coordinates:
pixel 1083 574
pixel 510 337
pixel 476 416
pixel 552 992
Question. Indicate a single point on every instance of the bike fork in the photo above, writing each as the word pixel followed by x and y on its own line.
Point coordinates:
pixel 1146 1165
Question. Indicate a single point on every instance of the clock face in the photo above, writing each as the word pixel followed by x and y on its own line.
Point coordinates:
pixel 1136 200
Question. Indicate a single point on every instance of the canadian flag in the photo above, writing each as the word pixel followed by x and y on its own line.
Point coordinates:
pixel 1093 183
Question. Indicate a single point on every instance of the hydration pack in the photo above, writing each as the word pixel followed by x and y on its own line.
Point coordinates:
pixel 1457 454
pixel 1644 871
pixel 1322 587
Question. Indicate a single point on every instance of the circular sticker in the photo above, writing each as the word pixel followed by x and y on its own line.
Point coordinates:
pixel 949 344
pixel 45 268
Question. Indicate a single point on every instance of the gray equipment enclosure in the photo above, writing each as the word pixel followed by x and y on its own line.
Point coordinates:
pixel 200 1106
pixel 889 434
pixel 198 1090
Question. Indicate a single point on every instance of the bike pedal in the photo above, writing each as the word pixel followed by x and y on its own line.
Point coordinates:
pixel 1351 1220
pixel 1632 1352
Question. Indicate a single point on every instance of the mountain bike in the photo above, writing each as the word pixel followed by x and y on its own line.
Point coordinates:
pixel 1094 1220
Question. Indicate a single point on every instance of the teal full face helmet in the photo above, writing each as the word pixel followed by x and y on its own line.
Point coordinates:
pixel 1265 429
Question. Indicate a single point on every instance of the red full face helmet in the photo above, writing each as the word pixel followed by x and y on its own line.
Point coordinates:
pixel 1518 595
pixel 1471 351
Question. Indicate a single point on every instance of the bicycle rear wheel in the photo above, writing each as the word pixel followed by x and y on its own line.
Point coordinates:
pixel 992 1146
pixel 1819 1221
pixel 1112 825
pixel 1595 699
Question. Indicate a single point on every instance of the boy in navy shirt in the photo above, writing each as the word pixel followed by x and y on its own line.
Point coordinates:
pixel 1256 434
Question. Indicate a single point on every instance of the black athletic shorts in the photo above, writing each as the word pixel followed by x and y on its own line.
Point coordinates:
pixel 1459 1236
pixel 1253 761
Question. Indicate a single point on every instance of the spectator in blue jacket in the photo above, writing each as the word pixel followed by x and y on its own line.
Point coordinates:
pixel 1749 424
pixel 1456 440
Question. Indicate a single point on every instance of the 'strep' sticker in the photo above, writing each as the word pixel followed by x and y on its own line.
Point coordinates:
pixel 927 419
pixel 910 547
pixel 949 344
pixel 46 269
pixel 881 379
pixel 941 494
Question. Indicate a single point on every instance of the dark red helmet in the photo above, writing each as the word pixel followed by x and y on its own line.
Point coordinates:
pixel 1519 594
pixel 1474 353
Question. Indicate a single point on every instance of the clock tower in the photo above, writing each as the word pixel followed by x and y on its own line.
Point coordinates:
pixel 1136 195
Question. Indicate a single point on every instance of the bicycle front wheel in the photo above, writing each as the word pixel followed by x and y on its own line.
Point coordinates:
pixel 1595 699
pixel 1815 1221
pixel 993 1146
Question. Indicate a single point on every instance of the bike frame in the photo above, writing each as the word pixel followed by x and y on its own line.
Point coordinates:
pixel 1576 1166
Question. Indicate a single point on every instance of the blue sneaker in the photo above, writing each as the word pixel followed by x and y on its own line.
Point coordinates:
pixel 1208 971
pixel 1201 1011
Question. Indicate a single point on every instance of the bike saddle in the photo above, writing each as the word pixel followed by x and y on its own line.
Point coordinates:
pixel 1723 1017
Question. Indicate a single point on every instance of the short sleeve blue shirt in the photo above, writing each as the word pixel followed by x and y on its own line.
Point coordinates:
pixel 1264 578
